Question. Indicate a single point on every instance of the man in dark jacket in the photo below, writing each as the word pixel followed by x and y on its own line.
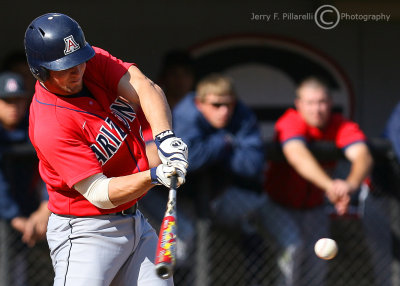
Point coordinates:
pixel 226 157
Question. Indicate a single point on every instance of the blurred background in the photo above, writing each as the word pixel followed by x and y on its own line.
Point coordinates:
pixel 361 55
pixel 266 57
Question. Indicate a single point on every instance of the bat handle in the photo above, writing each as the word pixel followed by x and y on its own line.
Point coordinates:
pixel 174 182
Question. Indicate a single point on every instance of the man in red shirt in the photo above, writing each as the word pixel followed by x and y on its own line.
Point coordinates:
pixel 298 186
pixel 84 127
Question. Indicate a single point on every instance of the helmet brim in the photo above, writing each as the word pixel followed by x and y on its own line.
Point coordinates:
pixel 76 58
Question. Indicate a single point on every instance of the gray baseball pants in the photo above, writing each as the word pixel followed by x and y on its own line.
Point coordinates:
pixel 103 250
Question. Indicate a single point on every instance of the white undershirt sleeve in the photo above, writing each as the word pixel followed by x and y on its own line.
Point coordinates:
pixel 95 190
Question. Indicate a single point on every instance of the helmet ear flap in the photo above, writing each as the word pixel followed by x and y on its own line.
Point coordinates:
pixel 40 73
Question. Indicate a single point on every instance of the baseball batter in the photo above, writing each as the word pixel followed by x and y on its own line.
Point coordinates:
pixel 85 130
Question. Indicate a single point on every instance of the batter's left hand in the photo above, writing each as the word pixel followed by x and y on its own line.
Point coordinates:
pixel 172 151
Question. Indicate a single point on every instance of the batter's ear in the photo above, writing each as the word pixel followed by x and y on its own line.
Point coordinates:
pixel 41 74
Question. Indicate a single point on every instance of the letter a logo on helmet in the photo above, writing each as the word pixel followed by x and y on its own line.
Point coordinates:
pixel 70 45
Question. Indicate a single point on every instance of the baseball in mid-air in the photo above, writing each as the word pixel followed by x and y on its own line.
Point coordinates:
pixel 326 248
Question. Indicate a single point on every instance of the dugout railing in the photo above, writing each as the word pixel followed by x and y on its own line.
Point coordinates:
pixel 219 256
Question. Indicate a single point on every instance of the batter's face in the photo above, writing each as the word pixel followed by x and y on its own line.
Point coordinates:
pixel 217 109
pixel 66 82
pixel 314 105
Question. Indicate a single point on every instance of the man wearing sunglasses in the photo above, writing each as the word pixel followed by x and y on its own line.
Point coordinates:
pixel 227 154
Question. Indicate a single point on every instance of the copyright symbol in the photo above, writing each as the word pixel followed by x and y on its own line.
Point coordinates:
pixel 327 17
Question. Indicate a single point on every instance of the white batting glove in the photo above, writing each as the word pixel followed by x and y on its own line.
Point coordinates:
pixel 162 175
pixel 172 151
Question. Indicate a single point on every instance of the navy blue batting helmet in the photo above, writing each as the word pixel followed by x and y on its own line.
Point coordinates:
pixel 55 42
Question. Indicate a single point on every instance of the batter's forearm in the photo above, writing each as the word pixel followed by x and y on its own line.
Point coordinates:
pixel 127 188
pixel 152 101
pixel 156 110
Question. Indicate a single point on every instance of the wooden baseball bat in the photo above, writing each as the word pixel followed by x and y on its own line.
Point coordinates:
pixel 166 246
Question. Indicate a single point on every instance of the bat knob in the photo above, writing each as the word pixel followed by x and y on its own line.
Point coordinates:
pixel 164 270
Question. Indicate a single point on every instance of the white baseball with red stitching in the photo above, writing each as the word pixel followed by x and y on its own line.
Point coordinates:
pixel 326 248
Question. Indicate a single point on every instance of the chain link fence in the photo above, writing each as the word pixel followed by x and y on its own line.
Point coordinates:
pixel 21 265
pixel 221 255
pixel 225 256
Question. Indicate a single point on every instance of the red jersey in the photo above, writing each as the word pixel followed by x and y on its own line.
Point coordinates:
pixel 283 184
pixel 91 132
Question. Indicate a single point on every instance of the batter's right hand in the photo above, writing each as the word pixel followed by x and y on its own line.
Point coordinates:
pixel 162 175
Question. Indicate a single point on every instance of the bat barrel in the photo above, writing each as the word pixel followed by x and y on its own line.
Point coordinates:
pixel 166 246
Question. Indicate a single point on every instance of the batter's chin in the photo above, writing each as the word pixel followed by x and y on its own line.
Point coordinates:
pixel 75 88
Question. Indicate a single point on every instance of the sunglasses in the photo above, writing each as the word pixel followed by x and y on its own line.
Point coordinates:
pixel 220 104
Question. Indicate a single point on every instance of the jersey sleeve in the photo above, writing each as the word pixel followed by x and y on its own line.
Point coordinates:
pixel 348 133
pixel 107 69
pixel 290 126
